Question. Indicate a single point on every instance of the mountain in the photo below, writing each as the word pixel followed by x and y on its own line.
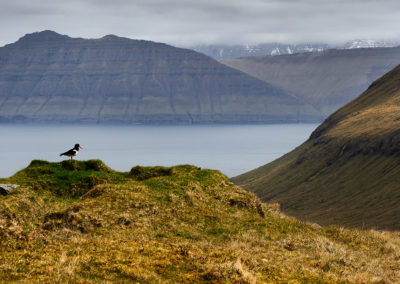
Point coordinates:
pixel 369 43
pixel 327 79
pixel 48 77
pixel 221 52
pixel 81 222
pixel 348 172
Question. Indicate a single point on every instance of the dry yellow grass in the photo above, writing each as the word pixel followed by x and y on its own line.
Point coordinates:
pixel 190 226
pixel 368 123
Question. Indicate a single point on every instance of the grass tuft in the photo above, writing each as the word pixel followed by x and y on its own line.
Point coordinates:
pixel 143 173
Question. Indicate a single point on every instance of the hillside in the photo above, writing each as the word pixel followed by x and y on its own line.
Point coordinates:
pixel 328 79
pixel 347 173
pixel 83 222
pixel 48 77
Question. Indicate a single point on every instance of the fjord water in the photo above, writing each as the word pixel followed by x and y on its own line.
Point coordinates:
pixel 232 149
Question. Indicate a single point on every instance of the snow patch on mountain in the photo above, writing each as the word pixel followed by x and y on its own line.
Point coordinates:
pixel 272 49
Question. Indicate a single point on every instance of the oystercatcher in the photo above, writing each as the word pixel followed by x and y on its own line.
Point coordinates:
pixel 72 153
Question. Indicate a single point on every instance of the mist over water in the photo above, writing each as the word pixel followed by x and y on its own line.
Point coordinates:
pixel 232 149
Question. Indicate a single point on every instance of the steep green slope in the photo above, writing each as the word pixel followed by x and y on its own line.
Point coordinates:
pixel 348 172
pixel 83 222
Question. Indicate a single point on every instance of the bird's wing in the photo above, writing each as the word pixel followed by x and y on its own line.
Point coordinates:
pixel 68 153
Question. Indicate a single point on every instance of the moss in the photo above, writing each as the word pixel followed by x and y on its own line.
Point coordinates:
pixel 68 179
pixel 90 165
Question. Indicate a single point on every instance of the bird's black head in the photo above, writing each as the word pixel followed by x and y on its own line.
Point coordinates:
pixel 77 147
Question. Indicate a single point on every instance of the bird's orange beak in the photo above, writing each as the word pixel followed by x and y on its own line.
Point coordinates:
pixel 81 147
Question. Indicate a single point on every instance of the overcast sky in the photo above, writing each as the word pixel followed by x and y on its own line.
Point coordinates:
pixel 189 22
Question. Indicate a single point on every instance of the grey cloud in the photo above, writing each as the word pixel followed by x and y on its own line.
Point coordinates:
pixel 186 22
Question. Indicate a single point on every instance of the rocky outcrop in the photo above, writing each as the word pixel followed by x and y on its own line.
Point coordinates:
pixel 7 188
pixel 54 78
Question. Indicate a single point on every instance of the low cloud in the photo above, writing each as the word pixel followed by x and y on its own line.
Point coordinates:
pixel 189 22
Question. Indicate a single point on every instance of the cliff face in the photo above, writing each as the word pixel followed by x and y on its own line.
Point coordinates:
pixel 347 173
pixel 50 77
pixel 327 79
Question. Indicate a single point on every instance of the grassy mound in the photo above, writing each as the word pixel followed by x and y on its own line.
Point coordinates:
pixel 178 224
pixel 70 178
pixel 143 173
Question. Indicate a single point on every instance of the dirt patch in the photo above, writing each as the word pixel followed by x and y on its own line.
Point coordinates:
pixel 73 218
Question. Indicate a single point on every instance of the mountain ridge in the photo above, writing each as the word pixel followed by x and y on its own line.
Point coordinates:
pixel 347 172
pixel 50 77
pixel 225 52
pixel 328 79
pixel 43 35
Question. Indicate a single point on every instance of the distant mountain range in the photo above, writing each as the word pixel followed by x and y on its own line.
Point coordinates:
pixel 348 172
pixel 48 77
pixel 327 79
pixel 236 51
pixel 220 52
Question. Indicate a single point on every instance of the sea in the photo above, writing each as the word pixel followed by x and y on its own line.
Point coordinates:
pixel 231 149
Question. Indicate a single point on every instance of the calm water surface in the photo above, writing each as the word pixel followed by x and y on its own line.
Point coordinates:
pixel 232 149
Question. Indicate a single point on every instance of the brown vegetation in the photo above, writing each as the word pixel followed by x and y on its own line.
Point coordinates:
pixel 193 226
pixel 347 173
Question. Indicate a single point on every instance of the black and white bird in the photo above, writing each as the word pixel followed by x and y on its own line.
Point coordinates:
pixel 73 152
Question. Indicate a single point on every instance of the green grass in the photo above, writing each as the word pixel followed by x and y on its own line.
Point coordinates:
pixel 178 224
pixel 68 179
pixel 348 172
